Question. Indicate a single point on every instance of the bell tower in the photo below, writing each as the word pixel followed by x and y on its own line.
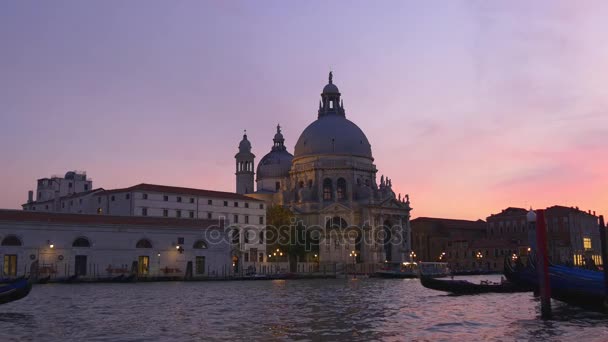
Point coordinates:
pixel 244 167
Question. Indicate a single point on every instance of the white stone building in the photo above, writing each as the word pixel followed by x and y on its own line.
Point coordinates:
pixel 330 185
pixel 101 246
pixel 243 216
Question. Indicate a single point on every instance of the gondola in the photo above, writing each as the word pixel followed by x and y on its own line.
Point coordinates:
pixel 583 288
pixel 15 290
pixel 464 287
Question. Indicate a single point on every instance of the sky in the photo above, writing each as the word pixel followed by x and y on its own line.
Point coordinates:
pixel 470 106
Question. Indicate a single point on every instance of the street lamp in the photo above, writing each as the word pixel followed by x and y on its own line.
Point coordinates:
pixel 441 256
pixel 412 255
pixel 479 257
pixel 353 254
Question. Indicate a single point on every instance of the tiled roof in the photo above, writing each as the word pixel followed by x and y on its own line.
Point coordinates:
pixel 453 223
pixel 180 190
pixel 30 216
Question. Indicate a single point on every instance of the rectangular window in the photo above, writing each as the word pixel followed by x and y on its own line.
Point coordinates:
pixel 98 199
pixel 127 196
pixel 261 219
pixel 145 196
pixel 210 202
pixel 111 198
pixel 80 201
pixel 246 219
pixel 236 204
pixel 143 266
pixel 236 218
pixel 192 214
pixel 165 212
pixel 86 187
pixel 246 205
pixel 277 186
pixel 178 213
pixel 261 258
pixel 179 199
pixel 72 202
pixel 191 200
pixel 180 240
pixel 144 211
pixel 261 205
pixel 246 257
pixel 10 264
pixel 209 215
pixel 225 203
pixel 200 265
pixel 166 198
pixel 62 205
pixel 587 243
pixel 261 237
pixel 70 185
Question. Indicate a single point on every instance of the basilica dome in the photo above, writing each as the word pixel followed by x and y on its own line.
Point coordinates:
pixel 332 133
pixel 277 162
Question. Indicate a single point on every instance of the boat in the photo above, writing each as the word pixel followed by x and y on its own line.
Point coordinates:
pixel 434 269
pixel 579 287
pixel 397 270
pixel 465 287
pixel 15 290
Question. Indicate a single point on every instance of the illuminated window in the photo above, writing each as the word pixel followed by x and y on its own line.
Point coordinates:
pixel 10 264
pixel 143 265
pixel 587 243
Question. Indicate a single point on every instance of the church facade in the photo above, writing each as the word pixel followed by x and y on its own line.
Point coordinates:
pixel 330 185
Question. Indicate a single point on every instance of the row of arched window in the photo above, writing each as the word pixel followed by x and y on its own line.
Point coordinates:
pixel 12 240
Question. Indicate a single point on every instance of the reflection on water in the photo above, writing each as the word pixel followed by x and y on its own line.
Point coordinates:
pixel 341 309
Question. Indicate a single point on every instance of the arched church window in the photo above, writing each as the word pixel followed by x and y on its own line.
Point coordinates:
pixel 143 243
pixel 200 244
pixel 341 188
pixel 328 189
pixel 81 242
pixel 11 240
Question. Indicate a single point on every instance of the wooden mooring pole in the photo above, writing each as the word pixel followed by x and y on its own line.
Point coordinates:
pixel 542 265
pixel 602 228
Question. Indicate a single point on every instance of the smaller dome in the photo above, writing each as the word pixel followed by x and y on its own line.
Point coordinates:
pixel 245 145
pixel 331 88
pixel 531 216
pixel 275 164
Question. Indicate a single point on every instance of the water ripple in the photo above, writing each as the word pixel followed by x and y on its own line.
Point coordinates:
pixel 308 310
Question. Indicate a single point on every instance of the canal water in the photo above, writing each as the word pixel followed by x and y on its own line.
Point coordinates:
pixel 334 310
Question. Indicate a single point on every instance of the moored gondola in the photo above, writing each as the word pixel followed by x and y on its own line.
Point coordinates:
pixel 583 288
pixel 15 290
pixel 465 287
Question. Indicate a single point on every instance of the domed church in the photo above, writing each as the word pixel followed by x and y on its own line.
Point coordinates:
pixel 329 183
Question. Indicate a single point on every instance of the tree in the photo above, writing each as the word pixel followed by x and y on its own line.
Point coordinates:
pixel 285 235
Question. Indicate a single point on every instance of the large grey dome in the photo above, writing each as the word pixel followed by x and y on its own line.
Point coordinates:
pixel 333 134
pixel 274 164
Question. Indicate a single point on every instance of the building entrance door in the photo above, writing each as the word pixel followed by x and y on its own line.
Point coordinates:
pixel 80 266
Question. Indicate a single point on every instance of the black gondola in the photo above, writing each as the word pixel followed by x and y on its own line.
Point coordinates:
pixel 15 290
pixel 464 287
pixel 44 280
